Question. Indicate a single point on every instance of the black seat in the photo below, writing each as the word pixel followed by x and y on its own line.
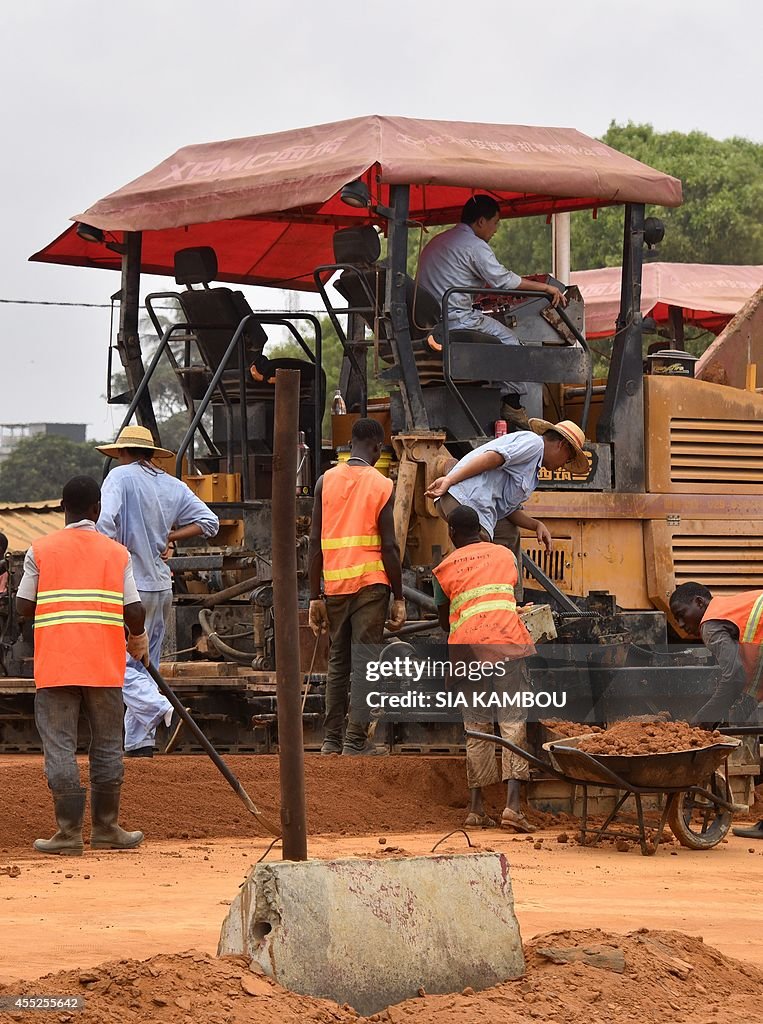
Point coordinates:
pixel 363 289
pixel 215 314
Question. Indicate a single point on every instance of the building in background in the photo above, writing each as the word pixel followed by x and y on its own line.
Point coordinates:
pixel 12 433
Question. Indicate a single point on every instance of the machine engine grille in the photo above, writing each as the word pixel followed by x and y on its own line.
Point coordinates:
pixel 556 564
pixel 725 564
pixel 716 451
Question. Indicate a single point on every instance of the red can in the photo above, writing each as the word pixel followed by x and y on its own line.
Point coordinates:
pixel 501 428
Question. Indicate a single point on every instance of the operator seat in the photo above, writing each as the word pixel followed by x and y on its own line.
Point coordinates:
pixel 361 248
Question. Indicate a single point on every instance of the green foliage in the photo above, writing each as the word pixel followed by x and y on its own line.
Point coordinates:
pixel 720 221
pixel 39 466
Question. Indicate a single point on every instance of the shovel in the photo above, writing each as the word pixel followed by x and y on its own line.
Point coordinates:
pixel 227 774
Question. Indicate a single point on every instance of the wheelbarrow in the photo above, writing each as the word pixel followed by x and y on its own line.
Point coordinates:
pixel 697 795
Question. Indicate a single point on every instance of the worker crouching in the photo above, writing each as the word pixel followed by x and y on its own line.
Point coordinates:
pixel 474 592
pixel 79 588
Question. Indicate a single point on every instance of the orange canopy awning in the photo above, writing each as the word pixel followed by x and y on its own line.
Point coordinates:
pixel 269 205
pixel 708 295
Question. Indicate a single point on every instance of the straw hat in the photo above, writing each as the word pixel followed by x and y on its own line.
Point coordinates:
pixel 570 432
pixel 133 437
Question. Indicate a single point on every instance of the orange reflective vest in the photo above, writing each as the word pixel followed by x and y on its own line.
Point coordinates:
pixel 352 500
pixel 478 580
pixel 79 637
pixel 745 611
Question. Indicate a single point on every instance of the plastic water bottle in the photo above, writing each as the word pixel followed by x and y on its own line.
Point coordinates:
pixel 338 408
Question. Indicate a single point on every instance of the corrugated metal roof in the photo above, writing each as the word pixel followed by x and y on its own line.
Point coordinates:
pixel 23 524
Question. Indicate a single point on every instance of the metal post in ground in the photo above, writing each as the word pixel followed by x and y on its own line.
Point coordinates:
pixel 286 612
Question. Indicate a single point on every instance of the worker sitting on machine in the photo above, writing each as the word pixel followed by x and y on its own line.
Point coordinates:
pixel 353 546
pixel 474 592
pixel 731 627
pixel 462 256
pixel 498 476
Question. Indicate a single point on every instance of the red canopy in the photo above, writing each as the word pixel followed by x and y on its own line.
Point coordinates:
pixel 709 295
pixel 269 205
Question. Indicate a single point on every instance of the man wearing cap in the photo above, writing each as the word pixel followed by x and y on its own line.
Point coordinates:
pixel 498 476
pixel 147 510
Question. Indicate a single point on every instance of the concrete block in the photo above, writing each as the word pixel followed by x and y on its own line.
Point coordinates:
pixel 372 932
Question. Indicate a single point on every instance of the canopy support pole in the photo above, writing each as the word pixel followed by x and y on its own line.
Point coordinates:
pixel 395 305
pixel 128 338
pixel 621 423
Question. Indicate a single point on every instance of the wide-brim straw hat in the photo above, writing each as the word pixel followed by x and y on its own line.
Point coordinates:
pixel 570 432
pixel 134 437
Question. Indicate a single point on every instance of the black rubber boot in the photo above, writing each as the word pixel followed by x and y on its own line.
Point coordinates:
pixel 69 810
pixel 756 832
pixel 106 833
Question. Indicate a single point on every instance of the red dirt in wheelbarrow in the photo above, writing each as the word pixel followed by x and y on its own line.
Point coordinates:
pixel 627 738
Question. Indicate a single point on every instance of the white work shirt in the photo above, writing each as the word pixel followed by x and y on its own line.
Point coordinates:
pixel 140 505
pixel 458 257
pixel 498 492
pixel 28 586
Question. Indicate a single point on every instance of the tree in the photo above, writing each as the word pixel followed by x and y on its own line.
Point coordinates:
pixel 39 466
pixel 720 221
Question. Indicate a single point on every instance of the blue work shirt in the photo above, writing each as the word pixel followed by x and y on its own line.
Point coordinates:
pixel 497 493
pixel 140 505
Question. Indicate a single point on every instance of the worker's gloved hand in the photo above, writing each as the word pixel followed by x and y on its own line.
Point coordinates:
pixel 318 617
pixel 557 299
pixel 397 615
pixel 437 488
pixel 544 537
pixel 137 647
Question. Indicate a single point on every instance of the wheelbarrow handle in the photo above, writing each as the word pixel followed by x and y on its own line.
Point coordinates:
pixel 536 762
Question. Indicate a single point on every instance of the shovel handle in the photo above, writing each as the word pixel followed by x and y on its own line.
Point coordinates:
pixel 222 767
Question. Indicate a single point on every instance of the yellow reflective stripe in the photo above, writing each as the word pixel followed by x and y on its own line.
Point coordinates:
pixel 79 592
pixel 54 618
pixel 488 588
pixel 372 540
pixel 753 622
pixel 483 606
pixel 81 599
pixel 353 571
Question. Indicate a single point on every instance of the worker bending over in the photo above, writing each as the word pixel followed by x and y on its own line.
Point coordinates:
pixel 462 257
pixel 474 592
pixel 353 546
pixel 79 588
pixel 147 510
pixel 731 627
pixel 496 478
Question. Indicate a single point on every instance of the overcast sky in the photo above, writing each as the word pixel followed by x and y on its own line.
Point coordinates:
pixel 96 93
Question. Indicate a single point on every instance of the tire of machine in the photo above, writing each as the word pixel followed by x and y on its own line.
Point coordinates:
pixel 720 820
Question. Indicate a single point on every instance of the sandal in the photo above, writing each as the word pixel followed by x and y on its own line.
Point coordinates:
pixel 479 821
pixel 518 822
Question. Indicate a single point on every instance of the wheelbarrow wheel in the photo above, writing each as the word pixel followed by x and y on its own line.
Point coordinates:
pixel 699 823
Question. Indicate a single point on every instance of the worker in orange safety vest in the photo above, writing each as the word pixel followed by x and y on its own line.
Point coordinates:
pixel 353 548
pixel 78 587
pixel 474 594
pixel 731 627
